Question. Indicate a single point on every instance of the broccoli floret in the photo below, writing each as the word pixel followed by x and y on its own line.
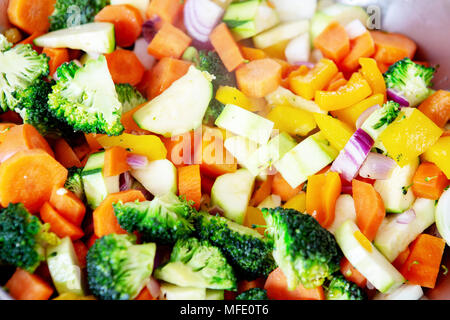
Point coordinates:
pixel 210 61
pixel 70 13
pixel 410 80
pixel 33 108
pixel 164 220
pixel 129 96
pixel 306 252
pixel 20 68
pixel 253 294
pixel 86 98
pixel 340 288
pixel 23 237
pixel 392 109
pixel 196 263
pixel 74 182
pixel 247 250
pixel 118 268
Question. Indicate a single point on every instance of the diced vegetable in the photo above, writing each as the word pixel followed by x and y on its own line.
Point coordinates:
pixel 409 136
pixel 232 192
pixel 259 78
pixel 282 32
pixel 158 177
pixel 439 154
pixel 306 159
pixel 91 37
pixel 399 230
pixel 177 110
pixel 429 181
pixel 367 259
pixel 316 79
pixel 356 90
pixel 424 261
pixel 352 157
pixel 245 123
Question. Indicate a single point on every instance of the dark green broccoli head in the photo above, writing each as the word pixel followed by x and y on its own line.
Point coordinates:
pixel 74 182
pixel 210 61
pixel 163 220
pixel 33 108
pixel 340 288
pixel 86 98
pixel 129 96
pixel 410 80
pixel 70 13
pixel 20 68
pixel 306 252
pixel 195 263
pixel 23 238
pixel 253 294
pixel 248 251
pixel 118 268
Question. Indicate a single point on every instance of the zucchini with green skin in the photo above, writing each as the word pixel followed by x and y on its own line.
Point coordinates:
pixel 361 253
pixel 96 37
pixel 96 185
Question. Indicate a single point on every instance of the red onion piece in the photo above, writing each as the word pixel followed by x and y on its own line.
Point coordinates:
pixel 351 158
pixel 154 288
pixel 126 181
pixel 149 28
pixel 394 96
pixel 377 167
pixel 137 161
pixel 406 217
pixel 366 114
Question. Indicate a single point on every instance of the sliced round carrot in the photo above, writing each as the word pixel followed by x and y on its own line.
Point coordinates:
pixel 29 177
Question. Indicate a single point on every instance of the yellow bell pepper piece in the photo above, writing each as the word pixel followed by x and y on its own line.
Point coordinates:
pixel 410 135
pixel 73 296
pixel 254 216
pixel 351 114
pixel 230 95
pixel 292 120
pixel 298 202
pixel 316 79
pixel 146 145
pixel 334 130
pixel 356 90
pixel 373 75
pixel 439 154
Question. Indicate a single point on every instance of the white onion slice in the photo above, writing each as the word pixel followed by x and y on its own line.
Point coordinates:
pixel 366 114
pixel 406 217
pixel 140 50
pixel 298 49
pixel 355 29
pixel 377 167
